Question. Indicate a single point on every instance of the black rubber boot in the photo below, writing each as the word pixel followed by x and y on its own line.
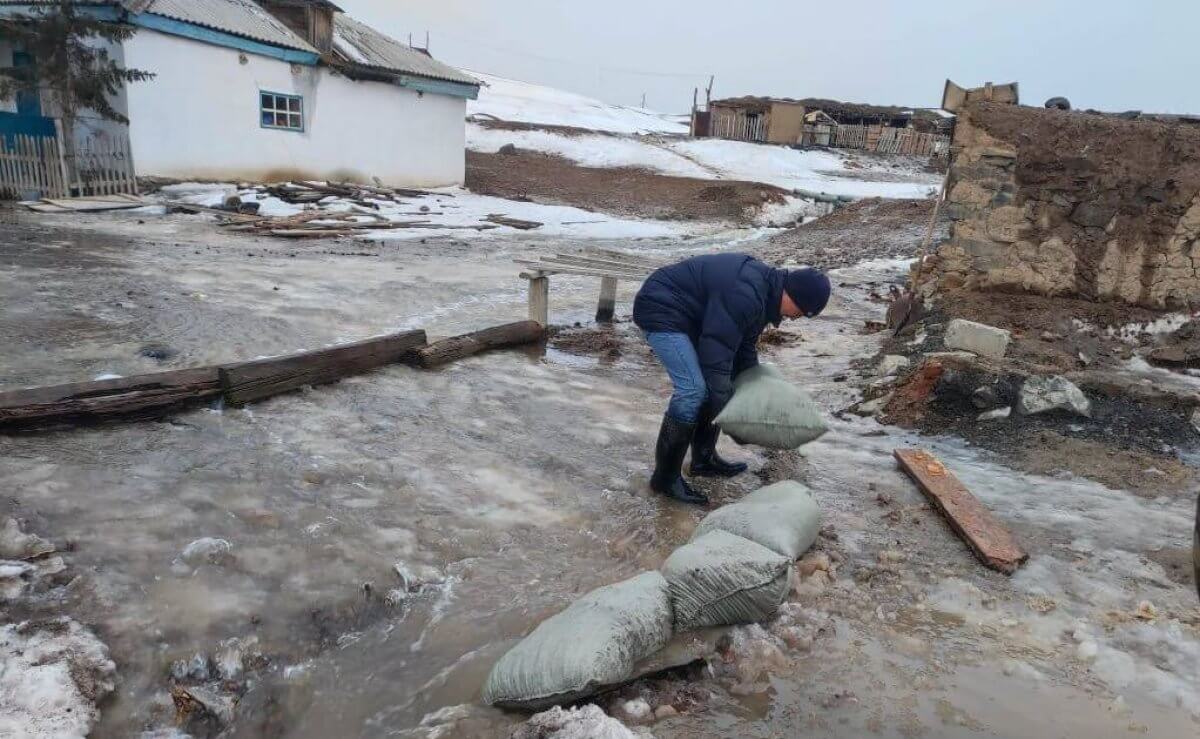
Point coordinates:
pixel 705 461
pixel 673 440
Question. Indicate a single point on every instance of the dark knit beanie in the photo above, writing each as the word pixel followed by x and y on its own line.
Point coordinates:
pixel 808 288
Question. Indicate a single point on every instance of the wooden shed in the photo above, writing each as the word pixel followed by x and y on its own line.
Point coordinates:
pixel 765 120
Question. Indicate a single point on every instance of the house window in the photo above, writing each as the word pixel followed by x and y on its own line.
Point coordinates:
pixel 281 111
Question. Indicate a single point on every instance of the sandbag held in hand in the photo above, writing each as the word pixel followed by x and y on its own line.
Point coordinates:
pixel 591 645
pixel 769 411
pixel 721 579
pixel 782 517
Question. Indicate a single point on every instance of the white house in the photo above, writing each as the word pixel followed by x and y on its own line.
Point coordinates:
pixel 267 90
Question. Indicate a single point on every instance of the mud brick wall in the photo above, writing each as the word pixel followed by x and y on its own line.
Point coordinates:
pixel 1063 203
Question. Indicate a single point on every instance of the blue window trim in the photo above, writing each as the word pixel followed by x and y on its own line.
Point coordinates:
pixel 289 96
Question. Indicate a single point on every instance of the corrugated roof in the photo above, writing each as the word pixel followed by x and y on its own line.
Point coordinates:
pixel 243 18
pixel 239 17
pixel 359 44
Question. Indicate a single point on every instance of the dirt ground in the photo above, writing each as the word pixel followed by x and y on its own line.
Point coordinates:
pixel 1140 434
pixel 872 228
pixel 631 192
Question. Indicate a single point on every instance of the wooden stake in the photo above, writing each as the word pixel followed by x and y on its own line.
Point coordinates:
pixel 539 298
pixel 608 300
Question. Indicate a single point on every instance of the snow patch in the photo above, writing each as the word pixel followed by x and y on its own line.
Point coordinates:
pixel 524 102
pixel 52 675
pixel 584 722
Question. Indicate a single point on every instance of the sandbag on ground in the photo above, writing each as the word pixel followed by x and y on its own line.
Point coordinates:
pixel 721 579
pixel 769 411
pixel 590 646
pixel 782 517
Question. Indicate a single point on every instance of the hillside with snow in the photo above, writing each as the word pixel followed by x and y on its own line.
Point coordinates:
pixel 629 137
pixel 503 99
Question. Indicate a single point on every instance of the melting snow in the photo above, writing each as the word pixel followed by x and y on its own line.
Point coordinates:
pixel 512 100
pixel 51 676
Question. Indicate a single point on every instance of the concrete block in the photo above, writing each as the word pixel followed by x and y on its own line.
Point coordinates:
pixel 986 341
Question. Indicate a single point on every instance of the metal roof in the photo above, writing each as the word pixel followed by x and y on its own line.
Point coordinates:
pixel 239 17
pixel 361 45
pixel 243 18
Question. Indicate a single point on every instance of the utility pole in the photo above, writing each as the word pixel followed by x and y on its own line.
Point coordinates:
pixel 643 101
pixel 427 42
pixel 708 91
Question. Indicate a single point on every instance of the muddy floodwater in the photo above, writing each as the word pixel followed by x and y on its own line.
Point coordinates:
pixel 503 487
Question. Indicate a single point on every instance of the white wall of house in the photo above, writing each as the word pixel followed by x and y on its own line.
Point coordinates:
pixel 200 118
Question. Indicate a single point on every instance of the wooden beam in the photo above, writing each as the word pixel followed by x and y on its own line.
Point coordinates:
pixel 608 300
pixel 496 337
pixel 91 401
pixel 982 531
pixel 244 382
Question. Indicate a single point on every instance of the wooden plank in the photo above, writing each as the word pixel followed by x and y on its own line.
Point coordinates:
pixel 982 531
pixel 243 382
pixel 496 337
pixel 601 262
pixel 607 305
pixel 552 267
pixel 89 401
pixel 539 298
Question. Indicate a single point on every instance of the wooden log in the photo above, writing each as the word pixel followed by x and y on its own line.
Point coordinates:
pixel 608 300
pixel 496 337
pixel 90 401
pixel 539 297
pixel 517 223
pixel 244 382
pixel 982 531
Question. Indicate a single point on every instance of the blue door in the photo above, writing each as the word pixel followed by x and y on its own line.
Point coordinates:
pixel 29 103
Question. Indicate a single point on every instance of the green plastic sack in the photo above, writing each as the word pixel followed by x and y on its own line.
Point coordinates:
pixel 721 579
pixel 782 517
pixel 769 411
pixel 592 645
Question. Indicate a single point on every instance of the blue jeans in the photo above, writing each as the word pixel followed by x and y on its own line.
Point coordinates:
pixel 678 356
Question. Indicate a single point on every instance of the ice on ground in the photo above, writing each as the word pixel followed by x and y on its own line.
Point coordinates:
pixel 268 205
pixel 462 211
pixel 205 194
pixel 524 102
pixel 51 676
pixel 584 722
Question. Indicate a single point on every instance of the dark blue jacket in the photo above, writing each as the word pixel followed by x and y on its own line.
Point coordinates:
pixel 722 302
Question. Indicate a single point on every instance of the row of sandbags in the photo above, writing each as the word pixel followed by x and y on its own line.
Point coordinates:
pixel 736 569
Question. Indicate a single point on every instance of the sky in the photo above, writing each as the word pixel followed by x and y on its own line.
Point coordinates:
pixel 1106 54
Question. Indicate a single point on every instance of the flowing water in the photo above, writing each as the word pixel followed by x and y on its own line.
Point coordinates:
pixel 506 485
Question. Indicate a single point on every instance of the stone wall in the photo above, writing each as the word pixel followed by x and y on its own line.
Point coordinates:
pixel 1064 203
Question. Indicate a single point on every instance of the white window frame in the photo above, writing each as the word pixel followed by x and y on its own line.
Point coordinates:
pixel 289 112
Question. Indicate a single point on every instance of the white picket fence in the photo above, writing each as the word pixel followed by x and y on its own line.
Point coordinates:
pixel 38 165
